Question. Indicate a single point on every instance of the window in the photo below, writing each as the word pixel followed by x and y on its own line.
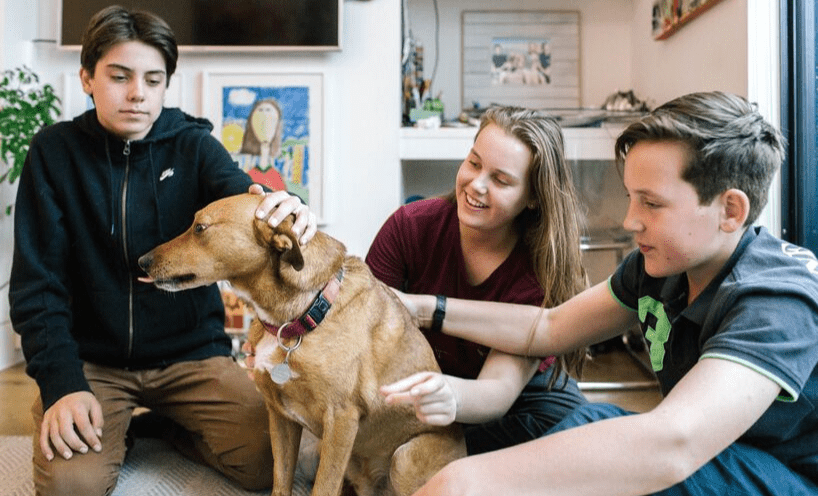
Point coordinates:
pixel 799 119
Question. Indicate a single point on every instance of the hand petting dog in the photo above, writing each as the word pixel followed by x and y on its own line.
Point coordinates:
pixel 278 205
pixel 430 393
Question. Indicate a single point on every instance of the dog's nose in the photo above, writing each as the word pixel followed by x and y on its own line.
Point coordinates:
pixel 145 261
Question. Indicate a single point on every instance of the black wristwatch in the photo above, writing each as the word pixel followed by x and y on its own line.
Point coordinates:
pixel 440 314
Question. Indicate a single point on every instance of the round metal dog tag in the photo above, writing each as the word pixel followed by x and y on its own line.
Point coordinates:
pixel 280 373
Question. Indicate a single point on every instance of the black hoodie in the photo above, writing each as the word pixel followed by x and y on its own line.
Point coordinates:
pixel 88 205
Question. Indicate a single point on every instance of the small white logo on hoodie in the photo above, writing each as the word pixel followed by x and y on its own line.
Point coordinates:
pixel 165 174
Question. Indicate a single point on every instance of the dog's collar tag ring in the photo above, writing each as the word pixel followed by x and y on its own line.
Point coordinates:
pixel 281 373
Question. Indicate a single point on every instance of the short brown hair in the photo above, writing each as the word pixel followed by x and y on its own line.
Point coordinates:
pixel 113 25
pixel 730 144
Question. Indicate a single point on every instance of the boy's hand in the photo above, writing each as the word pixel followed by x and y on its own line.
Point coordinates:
pixel 431 394
pixel 279 204
pixel 72 424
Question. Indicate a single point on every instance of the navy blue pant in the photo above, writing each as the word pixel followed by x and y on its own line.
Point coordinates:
pixel 740 470
pixel 535 411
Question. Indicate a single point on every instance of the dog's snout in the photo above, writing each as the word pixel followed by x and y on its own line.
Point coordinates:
pixel 145 261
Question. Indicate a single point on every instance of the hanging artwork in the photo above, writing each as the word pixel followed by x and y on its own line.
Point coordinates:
pixel 668 16
pixel 524 58
pixel 272 126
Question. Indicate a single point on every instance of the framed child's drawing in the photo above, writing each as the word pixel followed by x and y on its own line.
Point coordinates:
pixel 272 125
pixel 524 58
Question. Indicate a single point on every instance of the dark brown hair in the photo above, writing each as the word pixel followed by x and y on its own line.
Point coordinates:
pixel 730 145
pixel 113 25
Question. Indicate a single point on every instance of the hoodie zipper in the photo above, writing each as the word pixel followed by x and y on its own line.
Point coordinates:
pixel 127 153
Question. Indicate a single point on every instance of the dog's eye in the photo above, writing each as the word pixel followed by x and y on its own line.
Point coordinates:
pixel 199 228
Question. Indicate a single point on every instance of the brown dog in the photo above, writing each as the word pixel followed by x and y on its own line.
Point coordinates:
pixel 332 334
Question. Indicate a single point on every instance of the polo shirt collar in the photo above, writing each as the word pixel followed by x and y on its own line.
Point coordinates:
pixel 698 310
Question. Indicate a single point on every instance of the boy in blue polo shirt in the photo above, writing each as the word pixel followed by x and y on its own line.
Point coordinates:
pixel 729 313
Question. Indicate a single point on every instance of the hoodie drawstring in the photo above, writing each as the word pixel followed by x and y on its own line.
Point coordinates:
pixel 110 183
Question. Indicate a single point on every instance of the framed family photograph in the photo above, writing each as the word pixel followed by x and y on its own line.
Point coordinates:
pixel 272 125
pixel 525 58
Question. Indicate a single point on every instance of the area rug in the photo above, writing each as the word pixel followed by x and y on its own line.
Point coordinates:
pixel 152 468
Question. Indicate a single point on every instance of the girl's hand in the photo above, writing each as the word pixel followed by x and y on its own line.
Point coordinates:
pixel 277 205
pixel 431 394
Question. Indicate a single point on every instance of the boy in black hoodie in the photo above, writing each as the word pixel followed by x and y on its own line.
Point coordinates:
pixel 95 194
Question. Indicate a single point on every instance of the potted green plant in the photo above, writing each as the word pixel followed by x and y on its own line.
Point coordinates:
pixel 25 107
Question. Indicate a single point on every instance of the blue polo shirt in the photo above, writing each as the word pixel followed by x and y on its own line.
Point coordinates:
pixel 761 311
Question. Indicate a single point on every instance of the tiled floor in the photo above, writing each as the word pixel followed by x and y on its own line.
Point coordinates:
pixel 612 377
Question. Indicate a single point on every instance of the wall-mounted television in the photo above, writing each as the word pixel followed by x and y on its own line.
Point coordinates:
pixel 225 25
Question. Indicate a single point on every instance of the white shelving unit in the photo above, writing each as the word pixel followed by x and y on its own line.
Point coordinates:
pixel 453 143
pixel 430 158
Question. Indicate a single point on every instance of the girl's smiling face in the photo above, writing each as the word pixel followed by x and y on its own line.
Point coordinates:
pixel 492 183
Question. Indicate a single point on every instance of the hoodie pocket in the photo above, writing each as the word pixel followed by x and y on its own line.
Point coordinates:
pixel 173 325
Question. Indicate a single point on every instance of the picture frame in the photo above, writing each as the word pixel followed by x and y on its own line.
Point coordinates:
pixel 272 124
pixel 669 16
pixel 524 58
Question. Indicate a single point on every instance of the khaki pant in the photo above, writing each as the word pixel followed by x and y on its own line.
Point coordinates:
pixel 223 415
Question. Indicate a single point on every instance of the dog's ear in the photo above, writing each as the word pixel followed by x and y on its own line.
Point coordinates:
pixel 286 243
pixel 283 240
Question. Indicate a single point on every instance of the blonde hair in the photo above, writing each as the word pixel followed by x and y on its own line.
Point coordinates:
pixel 115 24
pixel 552 229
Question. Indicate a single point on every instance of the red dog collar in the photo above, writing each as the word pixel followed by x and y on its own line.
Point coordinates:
pixel 314 315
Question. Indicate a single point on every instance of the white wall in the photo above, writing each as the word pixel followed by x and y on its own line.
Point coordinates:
pixel 764 86
pixel 709 53
pixel 605 43
pixel 15 50
pixel 617 48
pixel 2 34
pixel 361 114
pixel 9 352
